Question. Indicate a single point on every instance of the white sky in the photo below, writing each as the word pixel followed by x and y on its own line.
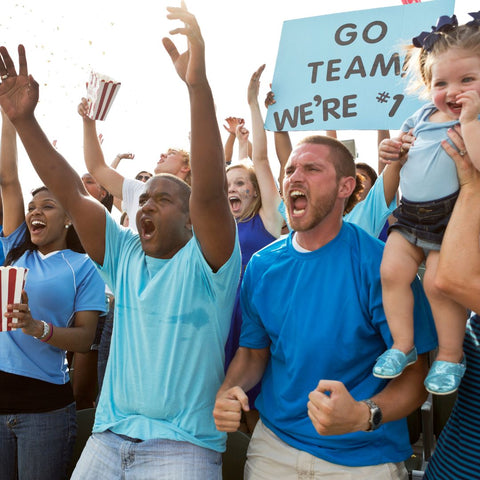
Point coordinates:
pixel 66 40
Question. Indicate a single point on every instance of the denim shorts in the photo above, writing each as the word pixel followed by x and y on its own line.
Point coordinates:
pixel 423 223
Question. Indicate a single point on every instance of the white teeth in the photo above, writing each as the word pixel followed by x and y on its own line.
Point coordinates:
pixel 296 194
pixel 37 222
pixel 298 212
pixel 233 198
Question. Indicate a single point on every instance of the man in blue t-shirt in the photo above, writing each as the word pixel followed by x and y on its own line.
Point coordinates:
pixel 174 285
pixel 313 326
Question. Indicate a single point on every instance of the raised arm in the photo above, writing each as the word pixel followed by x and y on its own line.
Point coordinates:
pixel 242 135
pixel 391 181
pixel 18 98
pixel 392 154
pixel 106 176
pixel 381 136
pixel 271 217
pixel 211 218
pixel 458 272
pixel 283 144
pixel 231 128
pixel 118 158
pixel 13 207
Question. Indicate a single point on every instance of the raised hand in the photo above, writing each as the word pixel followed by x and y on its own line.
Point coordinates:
pixel 391 150
pixel 232 124
pixel 242 133
pixel 190 65
pixel 254 85
pixel 82 110
pixel 270 98
pixel 18 92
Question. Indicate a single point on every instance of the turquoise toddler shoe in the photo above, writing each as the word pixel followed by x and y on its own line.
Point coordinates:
pixel 444 377
pixel 393 362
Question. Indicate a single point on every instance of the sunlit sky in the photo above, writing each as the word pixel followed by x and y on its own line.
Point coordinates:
pixel 65 41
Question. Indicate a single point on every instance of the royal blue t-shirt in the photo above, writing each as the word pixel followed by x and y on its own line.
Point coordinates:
pixel 320 313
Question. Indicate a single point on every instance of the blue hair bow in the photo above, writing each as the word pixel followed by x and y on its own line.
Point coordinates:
pixel 476 19
pixel 427 40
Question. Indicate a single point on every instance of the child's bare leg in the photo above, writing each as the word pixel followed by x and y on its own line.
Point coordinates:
pixel 398 270
pixel 450 317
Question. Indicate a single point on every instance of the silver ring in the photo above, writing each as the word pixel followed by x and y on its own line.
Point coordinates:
pixel 3 77
pixel 462 153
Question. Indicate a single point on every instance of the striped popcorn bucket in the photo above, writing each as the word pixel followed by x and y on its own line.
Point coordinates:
pixel 101 91
pixel 11 286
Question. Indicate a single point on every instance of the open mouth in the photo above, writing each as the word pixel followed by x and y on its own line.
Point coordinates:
pixel 37 226
pixel 455 107
pixel 298 202
pixel 235 203
pixel 147 228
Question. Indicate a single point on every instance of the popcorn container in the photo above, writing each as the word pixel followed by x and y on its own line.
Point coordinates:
pixel 101 91
pixel 11 286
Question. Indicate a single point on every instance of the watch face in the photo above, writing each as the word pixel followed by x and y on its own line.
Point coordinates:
pixel 377 417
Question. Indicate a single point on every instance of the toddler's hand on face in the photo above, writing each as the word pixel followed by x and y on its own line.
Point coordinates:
pixel 470 102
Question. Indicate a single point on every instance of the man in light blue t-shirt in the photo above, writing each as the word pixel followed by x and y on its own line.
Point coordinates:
pixel 174 285
pixel 313 326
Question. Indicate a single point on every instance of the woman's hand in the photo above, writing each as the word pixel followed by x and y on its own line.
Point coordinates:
pixel 25 321
pixel 18 92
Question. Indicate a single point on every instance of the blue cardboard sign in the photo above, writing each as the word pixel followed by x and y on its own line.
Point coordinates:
pixel 344 71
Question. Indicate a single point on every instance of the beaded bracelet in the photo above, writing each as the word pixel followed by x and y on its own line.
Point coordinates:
pixel 46 330
pixel 50 333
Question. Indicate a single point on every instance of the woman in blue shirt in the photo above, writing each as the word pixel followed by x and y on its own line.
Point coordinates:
pixel 59 311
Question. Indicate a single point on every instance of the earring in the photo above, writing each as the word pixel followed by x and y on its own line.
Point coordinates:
pixel 67 225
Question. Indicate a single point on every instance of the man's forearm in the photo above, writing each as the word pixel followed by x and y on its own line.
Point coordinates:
pixel 246 368
pixel 404 394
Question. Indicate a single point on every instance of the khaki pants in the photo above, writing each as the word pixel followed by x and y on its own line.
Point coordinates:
pixel 269 458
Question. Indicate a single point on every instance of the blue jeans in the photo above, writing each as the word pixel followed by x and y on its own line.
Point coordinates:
pixel 39 445
pixel 109 456
pixel 104 348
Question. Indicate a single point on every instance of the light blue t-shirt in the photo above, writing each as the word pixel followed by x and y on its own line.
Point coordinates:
pixel 370 214
pixel 172 318
pixel 320 314
pixel 429 173
pixel 58 285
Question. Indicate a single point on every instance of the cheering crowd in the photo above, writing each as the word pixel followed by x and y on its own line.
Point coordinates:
pixel 226 299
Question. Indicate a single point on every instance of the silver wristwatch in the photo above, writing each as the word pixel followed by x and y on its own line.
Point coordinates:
pixel 376 416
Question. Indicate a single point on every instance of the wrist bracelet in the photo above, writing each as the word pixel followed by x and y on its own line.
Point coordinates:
pixel 45 331
pixel 50 333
